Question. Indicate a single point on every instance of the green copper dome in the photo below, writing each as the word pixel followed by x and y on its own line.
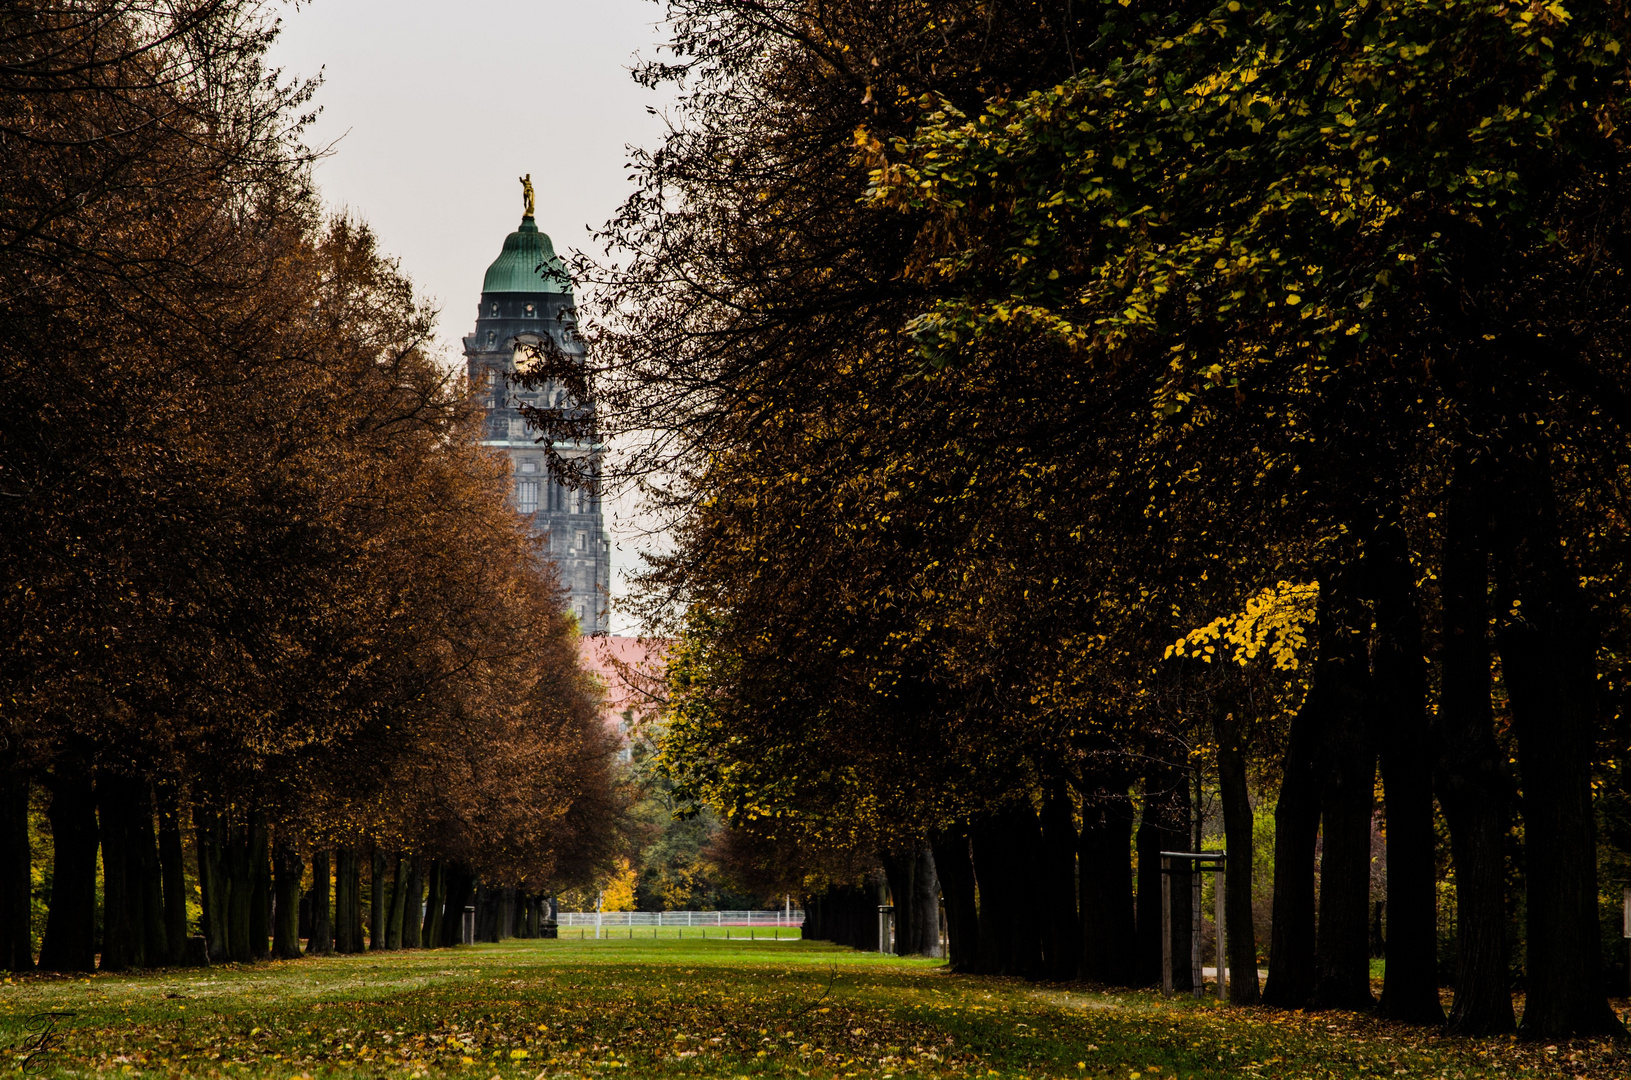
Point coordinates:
pixel 528 264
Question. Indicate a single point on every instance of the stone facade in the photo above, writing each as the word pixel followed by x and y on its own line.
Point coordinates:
pixel 526 298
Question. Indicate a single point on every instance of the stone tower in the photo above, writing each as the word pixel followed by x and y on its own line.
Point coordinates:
pixel 526 298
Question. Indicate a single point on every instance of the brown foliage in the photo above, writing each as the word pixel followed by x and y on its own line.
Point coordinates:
pixel 249 543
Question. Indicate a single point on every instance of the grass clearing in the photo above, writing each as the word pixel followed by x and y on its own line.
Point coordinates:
pixel 524 1010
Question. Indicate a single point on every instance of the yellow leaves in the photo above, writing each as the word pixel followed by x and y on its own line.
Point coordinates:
pixel 1276 619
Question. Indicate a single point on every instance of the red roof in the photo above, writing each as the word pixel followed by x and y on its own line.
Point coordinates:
pixel 632 670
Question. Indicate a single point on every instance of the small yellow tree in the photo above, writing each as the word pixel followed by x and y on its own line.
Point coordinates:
pixel 619 892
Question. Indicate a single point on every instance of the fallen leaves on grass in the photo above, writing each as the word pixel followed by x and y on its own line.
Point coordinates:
pixel 537 1011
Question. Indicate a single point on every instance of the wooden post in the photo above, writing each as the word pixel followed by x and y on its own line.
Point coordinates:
pixel 1626 928
pixel 1197 979
pixel 1217 886
pixel 1166 925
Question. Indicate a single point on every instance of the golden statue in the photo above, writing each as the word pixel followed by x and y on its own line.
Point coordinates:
pixel 526 191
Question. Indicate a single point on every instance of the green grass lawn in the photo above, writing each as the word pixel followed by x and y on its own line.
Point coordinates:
pixel 529 1009
pixel 685 933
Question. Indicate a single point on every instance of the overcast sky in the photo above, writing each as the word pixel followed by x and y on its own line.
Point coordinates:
pixel 435 109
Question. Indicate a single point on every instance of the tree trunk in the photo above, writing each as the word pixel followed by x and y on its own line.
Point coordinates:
pixel 487 910
pixel 343 860
pixel 1296 833
pixel 873 895
pixel 1005 858
pixel 1471 774
pixel 376 902
pixel 413 913
pixel 399 902
pixel 1026 883
pixel 461 890
pixel 1240 939
pixel 992 874
pixel 212 841
pixel 956 872
pixel 481 898
pixel 1181 879
pixel 811 928
pixel 347 901
pixel 359 942
pixel 900 872
pixel 173 873
pixel 121 902
pixel 1548 657
pixel 16 873
pixel 287 868
pixel 1105 870
pixel 1348 759
pixel 926 883
pixel 1410 981
pixel 1062 946
pixel 238 874
pixel 321 942
pixel 146 877
pixel 431 935
pixel 1164 826
pixel 863 918
pixel 70 925
pixel 916 893
pixel 260 886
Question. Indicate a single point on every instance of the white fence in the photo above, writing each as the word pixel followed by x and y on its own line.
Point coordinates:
pixel 681 918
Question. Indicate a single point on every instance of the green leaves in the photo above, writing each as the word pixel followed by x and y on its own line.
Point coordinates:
pixel 1266 167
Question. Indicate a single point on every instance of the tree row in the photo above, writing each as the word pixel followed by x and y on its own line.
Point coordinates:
pixel 264 597
pixel 1068 413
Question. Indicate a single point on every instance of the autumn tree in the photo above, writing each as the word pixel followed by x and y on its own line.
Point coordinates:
pixel 1173 306
pixel 1420 281
pixel 263 575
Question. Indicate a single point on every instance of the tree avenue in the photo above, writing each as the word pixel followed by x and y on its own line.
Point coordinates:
pixel 1091 427
pixel 269 617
